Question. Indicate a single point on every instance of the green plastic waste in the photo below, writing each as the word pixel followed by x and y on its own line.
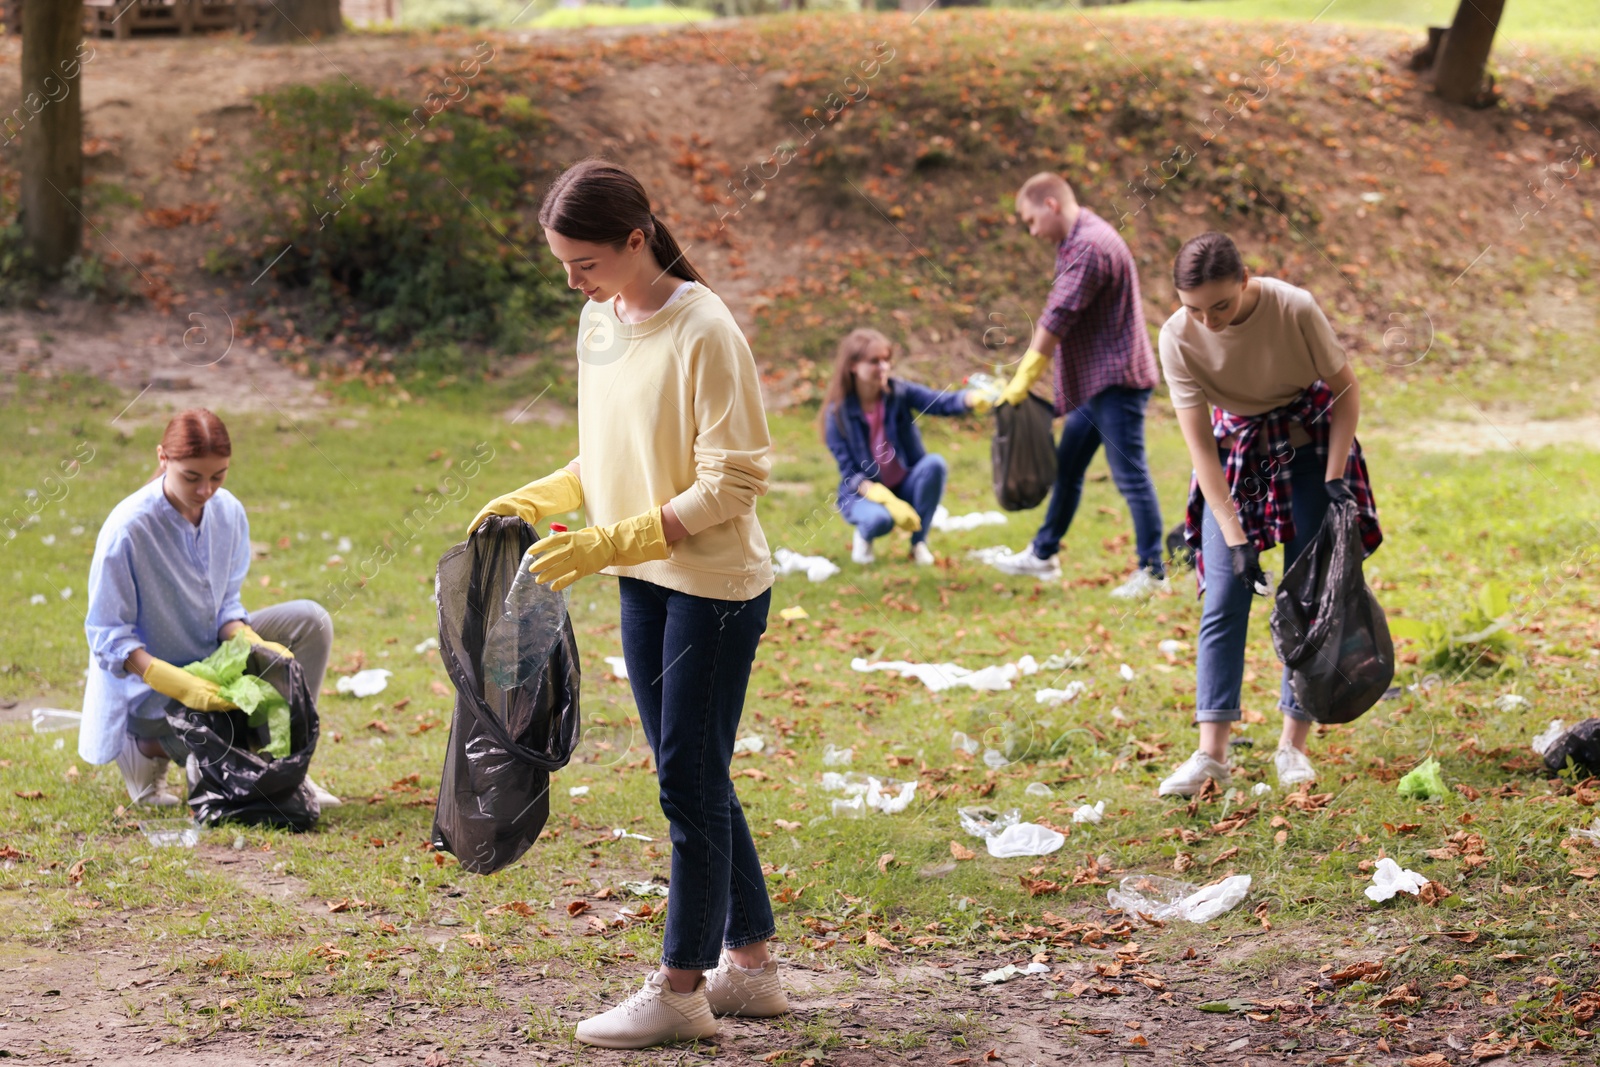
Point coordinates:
pixel 1424 782
pixel 263 704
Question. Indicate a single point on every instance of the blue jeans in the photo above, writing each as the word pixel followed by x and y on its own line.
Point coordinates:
pixel 689 661
pixel 1225 619
pixel 1115 416
pixel 922 488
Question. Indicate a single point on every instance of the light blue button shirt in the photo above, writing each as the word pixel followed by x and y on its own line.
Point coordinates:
pixel 160 583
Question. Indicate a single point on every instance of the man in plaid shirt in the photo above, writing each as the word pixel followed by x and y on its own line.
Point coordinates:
pixel 1105 369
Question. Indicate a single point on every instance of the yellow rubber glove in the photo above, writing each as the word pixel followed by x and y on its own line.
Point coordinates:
pixel 185 688
pixel 904 515
pixel 281 651
pixel 554 494
pixel 978 404
pixel 563 558
pixel 1033 365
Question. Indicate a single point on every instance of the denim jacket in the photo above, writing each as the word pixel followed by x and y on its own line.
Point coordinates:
pixel 851 443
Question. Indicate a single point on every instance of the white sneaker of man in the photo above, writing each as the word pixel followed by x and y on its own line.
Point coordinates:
pixel 861 550
pixel 653 1016
pixel 145 776
pixel 1024 563
pixel 1140 585
pixel 733 990
pixel 921 554
pixel 1294 767
pixel 325 799
pixel 1191 775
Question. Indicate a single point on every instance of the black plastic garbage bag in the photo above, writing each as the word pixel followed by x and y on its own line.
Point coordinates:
pixel 1328 628
pixel 494 794
pixel 1023 454
pixel 1581 744
pixel 228 782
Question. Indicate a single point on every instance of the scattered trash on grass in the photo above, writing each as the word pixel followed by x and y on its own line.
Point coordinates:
pixel 578 791
pixel 1591 835
pixel 994 759
pixel 986 822
pixel 1167 898
pixel 48 720
pixel 1541 744
pixel 171 833
pixel 619 667
pixel 883 797
pixel 645 889
pixel 849 783
pixel 619 833
pixel 1126 672
pixel 989 556
pixel 817 568
pixel 1260 789
pixel 794 613
pixel 960 742
pixel 1388 879
pixel 1511 702
pixel 1579 746
pixel 853 808
pixel 837 757
pixel 751 744
pixel 1424 782
pixel 426 645
pixel 1024 839
pixel 1169 647
pixel 1085 813
pixel 1059 696
pixel 941 676
pixel 1039 789
pixel 365 683
pixel 943 520
pixel 1011 970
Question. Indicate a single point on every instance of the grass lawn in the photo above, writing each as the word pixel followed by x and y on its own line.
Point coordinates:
pixel 372 919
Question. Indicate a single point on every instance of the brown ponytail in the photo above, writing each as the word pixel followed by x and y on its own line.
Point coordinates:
pixel 603 203
pixel 1209 257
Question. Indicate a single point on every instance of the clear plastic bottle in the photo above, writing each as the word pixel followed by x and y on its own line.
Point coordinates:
pixel 519 643
pixel 988 386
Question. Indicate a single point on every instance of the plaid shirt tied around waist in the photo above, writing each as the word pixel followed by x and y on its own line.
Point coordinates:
pixel 1257 469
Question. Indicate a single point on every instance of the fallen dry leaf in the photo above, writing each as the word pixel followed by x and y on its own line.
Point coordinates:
pixel 877 940
pixel 961 852
pixel 577 907
pixel 512 907
pixel 1432 1059
pixel 884 861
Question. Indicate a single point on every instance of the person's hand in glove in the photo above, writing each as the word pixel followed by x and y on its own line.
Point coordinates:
pixel 187 689
pixel 281 651
pixel 904 515
pixel 1339 491
pixel 563 558
pixel 1033 365
pixel 554 494
pixel 1247 567
pixel 977 403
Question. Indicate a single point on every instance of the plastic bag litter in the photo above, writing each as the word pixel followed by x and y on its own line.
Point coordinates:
pixel 1260 789
pixel 578 791
pixel 1039 789
pixel 619 833
pixel 1169 647
pixel 1511 702
pixel 944 521
pixel 171 833
pixel 941 676
pixel 1059 696
pixel 1024 839
pixel 994 759
pixel 1011 970
pixel 752 744
pixel 365 683
pixel 1388 879
pixel 645 889
pixel 1027 665
pixel 1423 782
pixel 1542 742
pixel 816 568
pixel 986 822
pixel 1022 456
pixel 48 720
pixel 619 667
pixel 494 790
pixel 1085 813
pixel 1581 745
pixel 837 757
pixel 426 645
pixel 850 783
pixel 1126 672
pixel 1167 898
pixel 890 797
pixel 960 742
pixel 853 808
pixel 1591 834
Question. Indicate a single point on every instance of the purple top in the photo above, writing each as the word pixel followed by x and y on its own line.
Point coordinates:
pixel 890 470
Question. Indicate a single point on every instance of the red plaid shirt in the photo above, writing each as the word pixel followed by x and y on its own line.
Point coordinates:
pixel 1094 307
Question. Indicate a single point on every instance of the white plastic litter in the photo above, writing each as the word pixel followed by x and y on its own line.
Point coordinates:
pixel 997 678
pixel 936 676
pixel 1511 702
pixel 1011 970
pixel 817 568
pixel 837 757
pixel 645 889
pixel 1056 662
pixel 1541 744
pixel 986 822
pixel 1059 696
pixel 578 791
pixel 171 833
pixel 47 720
pixel 1027 665
pixel 883 797
pixel 1085 813
pixel 619 833
pixel 365 683
pixel 960 742
pixel 1024 839
pixel 1591 835
pixel 850 783
pixel 426 645
pixel 1168 898
pixel 618 665
pixel 1169 647
pixel 37 598
pixel 751 744
pixel 1126 672
pixel 1388 879
pixel 994 759
pixel 943 520
pixel 1260 789
pixel 853 808
pixel 989 556
pixel 1039 789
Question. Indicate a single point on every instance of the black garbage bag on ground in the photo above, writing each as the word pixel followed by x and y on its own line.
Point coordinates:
pixel 1023 454
pixel 1179 554
pixel 228 782
pixel 1328 628
pixel 494 794
pixel 1581 744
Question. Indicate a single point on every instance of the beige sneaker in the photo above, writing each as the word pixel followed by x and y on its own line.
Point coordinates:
pixel 731 991
pixel 653 1016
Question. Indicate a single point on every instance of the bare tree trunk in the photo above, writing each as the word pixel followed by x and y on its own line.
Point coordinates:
pixel 52 133
pixel 1458 76
pixel 295 21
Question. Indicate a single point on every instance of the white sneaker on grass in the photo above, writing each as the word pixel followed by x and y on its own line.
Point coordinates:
pixel 145 776
pixel 922 554
pixel 1191 775
pixel 1294 767
pixel 1140 584
pixel 861 550
pixel 325 799
pixel 1024 563
pixel 731 990
pixel 653 1016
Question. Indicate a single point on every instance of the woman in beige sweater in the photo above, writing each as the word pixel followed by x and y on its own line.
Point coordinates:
pixel 672 454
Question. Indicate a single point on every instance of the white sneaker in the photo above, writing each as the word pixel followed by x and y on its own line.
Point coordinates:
pixel 922 554
pixel 145 776
pixel 653 1016
pixel 1191 775
pixel 1294 767
pixel 1141 584
pixel 325 799
pixel 861 550
pixel 1025 564
pixel 730 990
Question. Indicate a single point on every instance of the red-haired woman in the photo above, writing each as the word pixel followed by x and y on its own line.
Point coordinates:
pixel 164 591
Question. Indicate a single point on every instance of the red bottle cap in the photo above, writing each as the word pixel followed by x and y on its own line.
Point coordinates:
pixel 558 527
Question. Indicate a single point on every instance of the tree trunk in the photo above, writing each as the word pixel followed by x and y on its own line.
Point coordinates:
pixel 297 21
pixel 52 132
pixel 1458 76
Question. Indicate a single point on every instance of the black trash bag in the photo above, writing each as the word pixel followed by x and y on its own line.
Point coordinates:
pixel 1179 552
pixel 1581 744
pixel 1328 628
pixel 228 782
pixel 494 793
pixel 1023 454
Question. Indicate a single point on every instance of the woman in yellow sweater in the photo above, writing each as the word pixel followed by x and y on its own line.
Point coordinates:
pixel 672 454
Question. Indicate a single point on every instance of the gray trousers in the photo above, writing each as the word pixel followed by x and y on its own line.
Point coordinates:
pixel 302 626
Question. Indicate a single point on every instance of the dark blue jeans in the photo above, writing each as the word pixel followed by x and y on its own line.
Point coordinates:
pixel 1225 619
pixel 922 488
pixel 689 664
pixel 1116 417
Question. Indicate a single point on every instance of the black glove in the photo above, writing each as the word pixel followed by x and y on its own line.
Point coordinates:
pixel 1247 567
pixel 1339 491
